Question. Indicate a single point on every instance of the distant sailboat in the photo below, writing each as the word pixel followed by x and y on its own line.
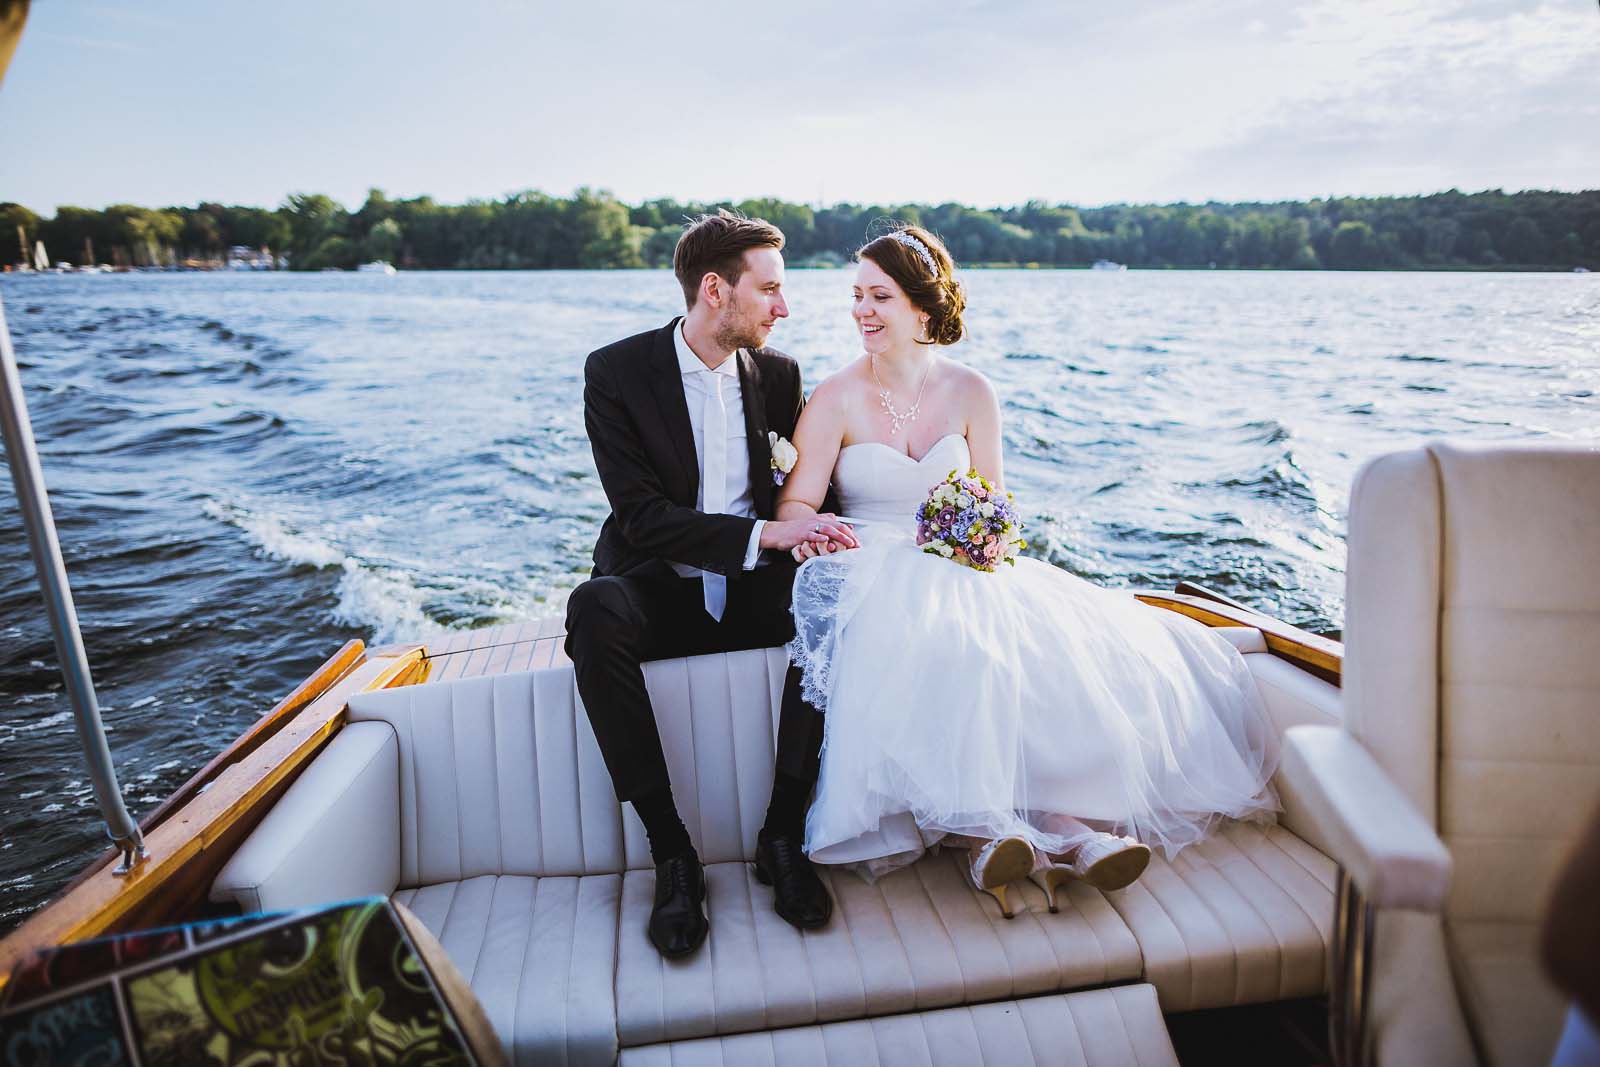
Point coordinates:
pixel 41 261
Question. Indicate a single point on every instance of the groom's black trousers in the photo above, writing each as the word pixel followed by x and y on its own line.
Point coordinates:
pixel 616 623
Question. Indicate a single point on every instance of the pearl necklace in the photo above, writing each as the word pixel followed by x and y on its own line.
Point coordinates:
pixel 897 418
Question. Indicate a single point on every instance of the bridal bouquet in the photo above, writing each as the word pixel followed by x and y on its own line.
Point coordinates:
pixel 967 520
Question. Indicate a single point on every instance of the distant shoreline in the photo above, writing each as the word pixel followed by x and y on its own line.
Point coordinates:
pixel 1533 230
pixel 8 271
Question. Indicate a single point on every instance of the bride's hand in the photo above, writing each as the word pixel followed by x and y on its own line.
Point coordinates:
pixel 807 549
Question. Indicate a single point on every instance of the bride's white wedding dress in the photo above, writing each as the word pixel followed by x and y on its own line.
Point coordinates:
pixel 991 704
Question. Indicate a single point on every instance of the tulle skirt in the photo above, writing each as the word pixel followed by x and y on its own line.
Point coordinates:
pixel 989 704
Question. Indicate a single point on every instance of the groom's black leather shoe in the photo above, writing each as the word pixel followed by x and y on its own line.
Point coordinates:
pixel 799 897
pixel 678 921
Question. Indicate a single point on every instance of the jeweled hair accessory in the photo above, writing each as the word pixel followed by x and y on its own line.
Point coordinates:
pixel 904 238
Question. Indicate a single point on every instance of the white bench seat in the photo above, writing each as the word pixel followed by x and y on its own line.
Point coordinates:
pixel 1118 1027
pixel 1244 917
pixel 539 953
pixel 500 830
pixel 917 939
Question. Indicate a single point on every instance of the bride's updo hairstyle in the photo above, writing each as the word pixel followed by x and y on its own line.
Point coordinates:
pixel 921 266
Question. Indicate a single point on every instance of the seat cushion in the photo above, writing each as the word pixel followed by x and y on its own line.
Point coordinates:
pixel 1513 1006
pixel 920 938
pixel 539 953
pixel 1120 1026
pixel 1242 917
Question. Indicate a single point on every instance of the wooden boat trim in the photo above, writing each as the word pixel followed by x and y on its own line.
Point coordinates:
pixel 194 841
pixel 332 669
pixel 1321 656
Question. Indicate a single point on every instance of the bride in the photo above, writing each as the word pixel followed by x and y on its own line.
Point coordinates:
pixel 1054 728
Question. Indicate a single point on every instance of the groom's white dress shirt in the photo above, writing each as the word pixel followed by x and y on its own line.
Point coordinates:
pixel 716 415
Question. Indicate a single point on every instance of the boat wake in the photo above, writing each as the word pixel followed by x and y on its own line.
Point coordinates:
pixel 380 599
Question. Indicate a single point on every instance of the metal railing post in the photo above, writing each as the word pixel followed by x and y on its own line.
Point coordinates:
pixel 37 520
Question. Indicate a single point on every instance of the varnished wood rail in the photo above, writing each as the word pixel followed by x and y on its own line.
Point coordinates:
pixel 1321 656
pixel 192 843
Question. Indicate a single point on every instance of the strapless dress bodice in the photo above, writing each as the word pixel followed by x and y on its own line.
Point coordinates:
pixel 879 484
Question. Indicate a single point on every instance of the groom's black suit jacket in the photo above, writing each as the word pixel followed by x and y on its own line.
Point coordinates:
pixel 638 422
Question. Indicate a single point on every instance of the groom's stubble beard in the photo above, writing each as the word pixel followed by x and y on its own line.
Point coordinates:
pixel 732 332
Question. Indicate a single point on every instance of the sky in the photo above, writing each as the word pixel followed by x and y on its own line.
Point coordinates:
pixel 171 102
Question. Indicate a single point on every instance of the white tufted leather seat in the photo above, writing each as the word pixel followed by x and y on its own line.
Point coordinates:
pixel 1100 1026
pixel 506 839
pixel 918 939
pixel 1240 918
pixel 1472 688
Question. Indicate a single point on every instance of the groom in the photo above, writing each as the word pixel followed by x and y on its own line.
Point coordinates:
pixel 690 560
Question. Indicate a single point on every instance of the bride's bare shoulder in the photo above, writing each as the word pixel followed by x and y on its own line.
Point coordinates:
pixel 838 387
pixel 966 381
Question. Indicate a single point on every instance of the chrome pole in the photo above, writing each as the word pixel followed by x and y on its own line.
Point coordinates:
pixel 39 523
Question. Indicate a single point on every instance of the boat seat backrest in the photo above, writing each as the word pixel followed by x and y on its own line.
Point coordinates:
pixel 718 717
pixel 1472 673
pixel 1471 667
pixel 1519 671
pixel 498 776
pixel 501 775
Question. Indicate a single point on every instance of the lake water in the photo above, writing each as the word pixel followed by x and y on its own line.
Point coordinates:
pixel 247 470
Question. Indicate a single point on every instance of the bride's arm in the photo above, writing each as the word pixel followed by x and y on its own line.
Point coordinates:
pixel 817 438
pixel 983 431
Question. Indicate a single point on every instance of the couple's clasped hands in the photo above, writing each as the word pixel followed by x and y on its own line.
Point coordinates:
pixel 813 535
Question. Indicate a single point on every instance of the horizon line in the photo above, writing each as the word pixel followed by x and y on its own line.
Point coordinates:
pixel 818 205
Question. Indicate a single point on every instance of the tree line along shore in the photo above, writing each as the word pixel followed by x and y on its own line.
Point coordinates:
pixel 1490 230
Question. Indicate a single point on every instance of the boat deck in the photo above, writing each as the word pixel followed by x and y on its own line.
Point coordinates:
pixel 505 649
pixel 536 644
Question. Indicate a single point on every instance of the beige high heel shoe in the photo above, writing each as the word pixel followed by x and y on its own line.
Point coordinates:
pixel 999 863
pixel 1104 861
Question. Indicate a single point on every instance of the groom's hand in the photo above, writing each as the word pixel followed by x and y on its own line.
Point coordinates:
pixel 815 530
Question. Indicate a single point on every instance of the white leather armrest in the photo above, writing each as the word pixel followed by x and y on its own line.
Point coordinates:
pixel 1244 638
pixel 1370 828
pixel 334 834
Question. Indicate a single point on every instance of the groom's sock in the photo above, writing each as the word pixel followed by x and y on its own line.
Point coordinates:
pixel 662 824
pixel 786 814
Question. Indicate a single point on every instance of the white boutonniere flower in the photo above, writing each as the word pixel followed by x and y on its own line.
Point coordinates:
pixel 784 457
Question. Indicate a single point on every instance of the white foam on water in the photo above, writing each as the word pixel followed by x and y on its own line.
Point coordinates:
pixel 386 602
pixel 275 536
pixel 383 601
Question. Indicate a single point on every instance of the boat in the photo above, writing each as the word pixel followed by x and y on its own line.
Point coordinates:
pixel 377 266
pixel 1106 264
pixel 457 779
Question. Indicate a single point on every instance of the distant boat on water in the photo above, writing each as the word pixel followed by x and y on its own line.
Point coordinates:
pixel 377 266
pixel 1106 264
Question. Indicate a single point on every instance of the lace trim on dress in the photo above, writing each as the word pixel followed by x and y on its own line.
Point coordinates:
pixel 818 591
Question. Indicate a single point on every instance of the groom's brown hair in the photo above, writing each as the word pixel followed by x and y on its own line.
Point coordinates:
pixel 716 244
